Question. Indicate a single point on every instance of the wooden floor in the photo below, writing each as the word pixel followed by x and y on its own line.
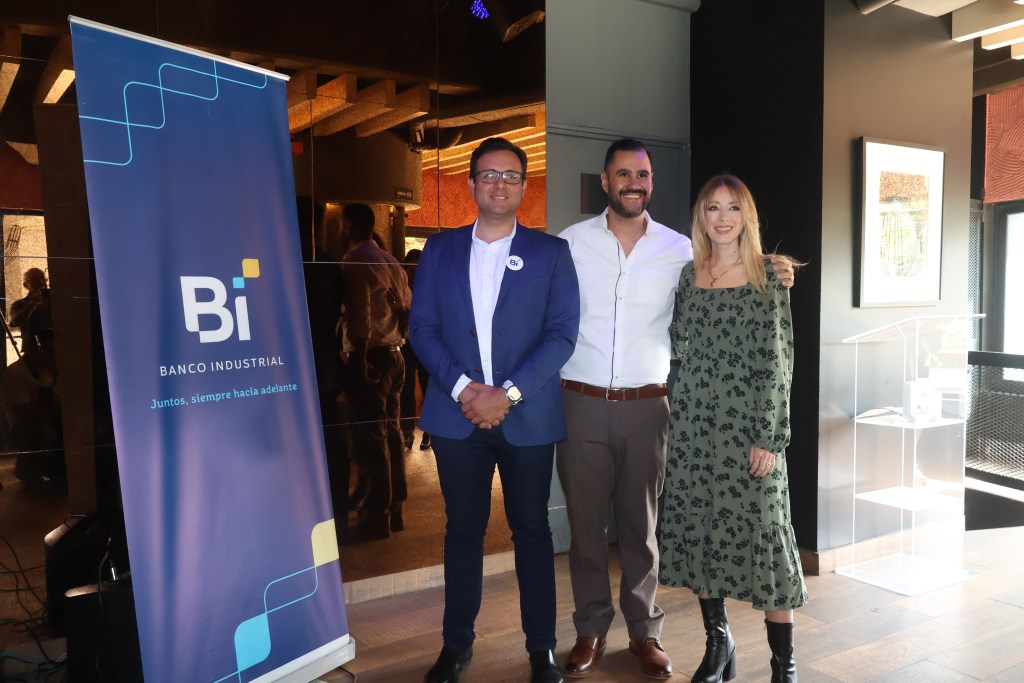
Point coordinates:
pixel 850 631
pixel 419 545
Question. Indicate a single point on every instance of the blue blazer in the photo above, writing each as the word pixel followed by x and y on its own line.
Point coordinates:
pixel 536 320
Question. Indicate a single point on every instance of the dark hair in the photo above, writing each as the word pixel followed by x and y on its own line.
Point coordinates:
pixel 362 219
pixel 625 145
pixel 495 145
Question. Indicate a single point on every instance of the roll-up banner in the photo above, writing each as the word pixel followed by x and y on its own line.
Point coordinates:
pixel 231 534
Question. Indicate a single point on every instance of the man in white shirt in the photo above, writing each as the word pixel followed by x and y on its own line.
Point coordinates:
pixel 616 408
pixel 376 297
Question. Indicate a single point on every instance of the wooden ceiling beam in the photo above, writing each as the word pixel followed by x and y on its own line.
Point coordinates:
pixel 331 98
pixel 483 109
pixel 58 75
pixel 409 104
pixel 506 128
pixel 528 139
pixel 10 61
pixel 371 101
pixel 519 136
pixel 462 157
pixel 301 88
pixel 247 57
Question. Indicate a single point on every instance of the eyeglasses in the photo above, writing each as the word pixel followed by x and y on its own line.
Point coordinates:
pixel 490 177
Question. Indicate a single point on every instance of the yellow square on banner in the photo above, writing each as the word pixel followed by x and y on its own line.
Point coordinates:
pixel 251 267
pixel 325 543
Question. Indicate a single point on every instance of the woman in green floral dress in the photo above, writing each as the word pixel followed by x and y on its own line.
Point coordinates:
pixel 726 529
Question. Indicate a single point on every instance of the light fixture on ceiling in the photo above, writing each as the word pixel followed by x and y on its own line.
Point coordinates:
pixel 868 6
pixel 999 39
pixel 985 17
pixel 479 10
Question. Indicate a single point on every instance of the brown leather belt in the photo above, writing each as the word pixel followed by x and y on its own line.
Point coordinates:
pixel 609 394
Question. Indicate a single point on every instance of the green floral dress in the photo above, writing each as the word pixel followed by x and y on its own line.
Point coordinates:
pixel 725 532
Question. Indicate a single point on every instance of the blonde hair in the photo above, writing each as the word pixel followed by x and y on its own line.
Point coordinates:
pixel 750 237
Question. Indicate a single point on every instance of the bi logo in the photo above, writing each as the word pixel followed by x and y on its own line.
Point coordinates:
pixel 215 306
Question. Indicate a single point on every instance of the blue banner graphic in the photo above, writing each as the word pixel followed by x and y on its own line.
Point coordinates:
pixel 220 450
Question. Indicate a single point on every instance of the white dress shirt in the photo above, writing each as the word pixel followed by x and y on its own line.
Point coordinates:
pixel 487 262
pixel 626 303
pixel 372 279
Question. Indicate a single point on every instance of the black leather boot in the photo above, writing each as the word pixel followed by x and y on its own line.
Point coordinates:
pixel 719 663
pixel 780 640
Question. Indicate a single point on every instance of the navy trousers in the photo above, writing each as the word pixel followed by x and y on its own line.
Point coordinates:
pixel 466 468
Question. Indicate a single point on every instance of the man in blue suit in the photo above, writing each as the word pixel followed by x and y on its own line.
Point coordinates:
pixel 495 314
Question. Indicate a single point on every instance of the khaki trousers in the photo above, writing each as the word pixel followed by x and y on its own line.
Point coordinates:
pixel 614 456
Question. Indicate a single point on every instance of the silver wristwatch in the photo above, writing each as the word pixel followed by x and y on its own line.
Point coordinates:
pixel 512 392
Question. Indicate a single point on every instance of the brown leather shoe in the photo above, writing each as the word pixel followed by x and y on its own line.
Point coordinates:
pixel 654 661
pixel 582 659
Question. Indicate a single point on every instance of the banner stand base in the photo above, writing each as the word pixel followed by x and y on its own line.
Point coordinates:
pixel 318 662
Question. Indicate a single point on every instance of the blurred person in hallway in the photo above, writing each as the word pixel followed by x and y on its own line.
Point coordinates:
pixel 32 314
pixel 375 318
pixel 414 371
pixel 31 408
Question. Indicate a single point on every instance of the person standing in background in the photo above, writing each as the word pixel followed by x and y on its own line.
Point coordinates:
pixel 376 305
pixel 32 314
pixel 414 371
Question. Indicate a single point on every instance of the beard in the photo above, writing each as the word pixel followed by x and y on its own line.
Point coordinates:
pixel 615 204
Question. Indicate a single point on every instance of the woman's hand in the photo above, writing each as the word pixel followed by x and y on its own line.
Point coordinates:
pixel 784 269
pixel 761 461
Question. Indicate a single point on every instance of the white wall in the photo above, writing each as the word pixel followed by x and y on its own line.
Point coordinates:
pixel 615 68
pixel 892 74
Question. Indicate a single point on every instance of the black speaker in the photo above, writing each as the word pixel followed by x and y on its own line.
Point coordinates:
pixel 102 634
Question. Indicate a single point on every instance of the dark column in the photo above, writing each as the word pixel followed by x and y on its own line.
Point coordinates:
pixel 73 292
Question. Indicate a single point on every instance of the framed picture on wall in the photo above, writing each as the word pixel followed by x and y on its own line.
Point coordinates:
pixel 901 230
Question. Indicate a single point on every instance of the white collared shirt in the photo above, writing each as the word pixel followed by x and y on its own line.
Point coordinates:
pixel 487 262
pixel 625 303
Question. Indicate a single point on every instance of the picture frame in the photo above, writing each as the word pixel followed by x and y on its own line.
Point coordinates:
pixel 901 224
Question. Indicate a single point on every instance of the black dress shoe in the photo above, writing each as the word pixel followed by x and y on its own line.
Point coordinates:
pixel 425 442
pixel 448 665
pixel 368 528
pixel 543 668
